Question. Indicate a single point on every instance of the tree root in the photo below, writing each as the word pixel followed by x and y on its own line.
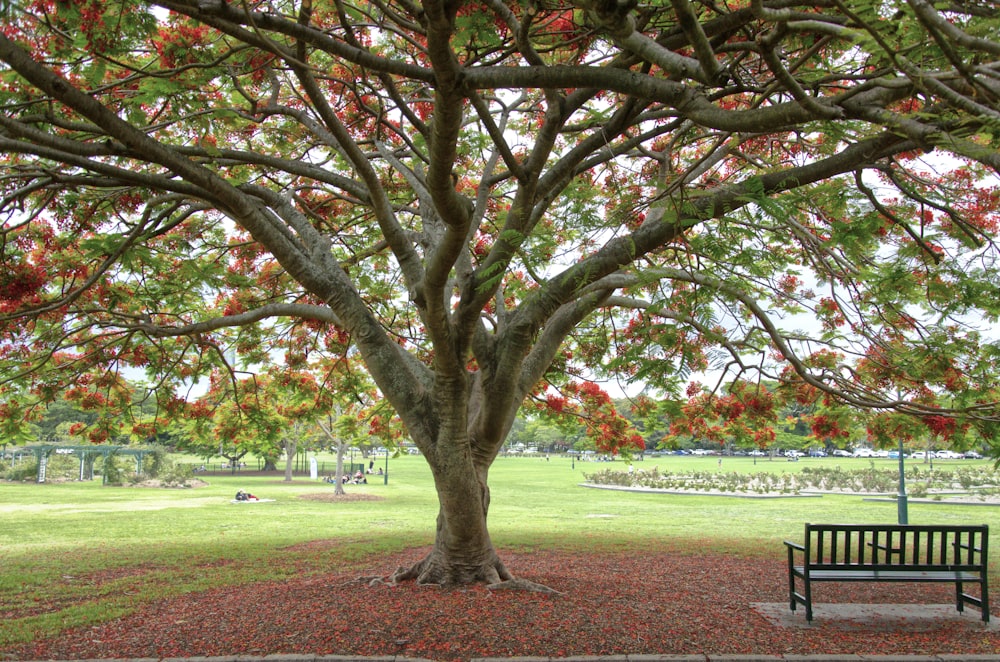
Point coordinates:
pixel 517 584
pixel 371 580
pixel 432 572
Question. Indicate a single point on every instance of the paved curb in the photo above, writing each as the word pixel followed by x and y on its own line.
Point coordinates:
pixel 279 657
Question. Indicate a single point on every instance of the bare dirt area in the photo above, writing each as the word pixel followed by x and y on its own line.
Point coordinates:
pixel 609 603
pixel 331 497
pixel 156 482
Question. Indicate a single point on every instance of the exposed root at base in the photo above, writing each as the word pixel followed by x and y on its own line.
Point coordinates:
pixel 517 584
pixel 431 572
pixel 370 580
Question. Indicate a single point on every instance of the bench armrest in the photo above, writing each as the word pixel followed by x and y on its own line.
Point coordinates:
pixel 794 545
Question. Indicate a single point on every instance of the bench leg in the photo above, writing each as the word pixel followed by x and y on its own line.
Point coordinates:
pixel 792 602
pixel 807 594
pixel 984 599
pixel 983 603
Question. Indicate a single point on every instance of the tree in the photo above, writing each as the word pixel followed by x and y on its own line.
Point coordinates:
pixel 338 430
pixel 358 423
pixel 297 396
pixel 269 415
pixel 491 201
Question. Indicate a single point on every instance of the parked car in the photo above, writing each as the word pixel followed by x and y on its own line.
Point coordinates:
pixel 840 452
pixel 923 455
pixel 973 455
pixel 948 455
pixel 863 452
pixel 757 453
pixel 817 452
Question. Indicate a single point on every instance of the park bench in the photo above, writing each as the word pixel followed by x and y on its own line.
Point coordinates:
pixel 890 553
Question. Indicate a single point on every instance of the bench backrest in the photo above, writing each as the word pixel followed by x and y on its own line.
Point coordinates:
pixel 873 546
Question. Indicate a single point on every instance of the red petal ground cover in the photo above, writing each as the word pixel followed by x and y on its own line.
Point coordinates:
pixel 610 603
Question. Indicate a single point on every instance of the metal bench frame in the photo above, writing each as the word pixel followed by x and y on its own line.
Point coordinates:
pixel 891 553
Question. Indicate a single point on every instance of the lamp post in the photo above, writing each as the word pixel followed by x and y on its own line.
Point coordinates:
pixel 901 498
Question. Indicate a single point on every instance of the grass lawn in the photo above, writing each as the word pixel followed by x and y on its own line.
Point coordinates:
pixel 81 553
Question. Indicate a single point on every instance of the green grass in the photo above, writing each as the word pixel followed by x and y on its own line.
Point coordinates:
pixel 80 553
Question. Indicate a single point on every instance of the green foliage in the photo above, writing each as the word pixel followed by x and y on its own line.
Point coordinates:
pixel 21 471
pixel 156 463
pixel 174 475
pixel 791 440
pixel 114 469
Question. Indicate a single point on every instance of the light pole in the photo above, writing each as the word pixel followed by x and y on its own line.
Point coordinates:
pixel 901 498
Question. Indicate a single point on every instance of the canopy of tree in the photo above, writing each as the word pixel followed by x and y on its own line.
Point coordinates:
pixel 484 200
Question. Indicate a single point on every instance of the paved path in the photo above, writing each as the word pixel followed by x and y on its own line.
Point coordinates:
pixel 605 658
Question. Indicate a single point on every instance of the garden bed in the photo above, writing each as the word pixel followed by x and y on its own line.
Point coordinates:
pixel 965 484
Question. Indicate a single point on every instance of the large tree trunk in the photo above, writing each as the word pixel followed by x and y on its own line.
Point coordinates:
pixel 463 552
pixel 460 458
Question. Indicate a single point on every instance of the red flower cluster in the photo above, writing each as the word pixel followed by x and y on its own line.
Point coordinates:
pixel 609 430
pixel 178 44
pixel 20 284
pixel 827 427
pixel 941 426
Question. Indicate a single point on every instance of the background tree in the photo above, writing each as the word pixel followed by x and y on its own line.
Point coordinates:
pixel 358 418
pixel 340 430
pixel 489 200
pixel 197 436
pixel 250 423
pixel 301 401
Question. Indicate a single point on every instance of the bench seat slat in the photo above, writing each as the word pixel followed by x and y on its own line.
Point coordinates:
pixel 866 575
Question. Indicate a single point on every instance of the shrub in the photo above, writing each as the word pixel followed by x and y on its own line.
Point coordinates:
pixel 177 476
pixel 112 470
pixel 870 479
pixel 21 471
pixel 157 462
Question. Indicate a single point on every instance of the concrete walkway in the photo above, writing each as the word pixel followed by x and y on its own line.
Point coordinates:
pixel 857 617
pixel 605 658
